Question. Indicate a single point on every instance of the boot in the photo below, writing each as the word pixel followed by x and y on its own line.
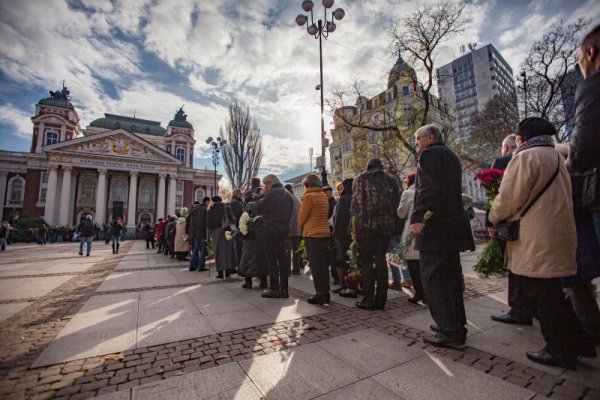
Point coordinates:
pixel 586 308
pixel 113 246
pixel 117 248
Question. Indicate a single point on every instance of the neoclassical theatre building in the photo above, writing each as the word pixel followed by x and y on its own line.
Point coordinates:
pixel 117 166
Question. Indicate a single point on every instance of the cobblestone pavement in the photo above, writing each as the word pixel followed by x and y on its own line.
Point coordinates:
pixel 27 333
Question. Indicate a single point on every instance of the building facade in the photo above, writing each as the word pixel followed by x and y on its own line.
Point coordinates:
pixel 355 137
pixel 117 166
pixel 471 80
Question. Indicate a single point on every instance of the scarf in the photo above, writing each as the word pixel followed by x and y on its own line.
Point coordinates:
pixel 536 141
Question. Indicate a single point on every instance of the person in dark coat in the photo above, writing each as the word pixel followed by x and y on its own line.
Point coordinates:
pixel 237 208
pixel 116 230
pixel 216 222
pixel 251 194
pixel 275 208
pixel 169 232
pixel 375 196
pixel 196 230
pixel 86 230
pixel 341 235
pixel 584 166
pixel 328 190
pixel 148 231
pixel 295 235
pixel 441 239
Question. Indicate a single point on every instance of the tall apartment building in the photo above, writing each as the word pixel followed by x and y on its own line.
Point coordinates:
pixel 471 80
pixel 397 105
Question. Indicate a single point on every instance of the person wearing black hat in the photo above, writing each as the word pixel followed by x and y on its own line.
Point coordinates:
pixel 219 219
pixel 536 191
pixel 196 230
pixel 440 239
pixel 375 196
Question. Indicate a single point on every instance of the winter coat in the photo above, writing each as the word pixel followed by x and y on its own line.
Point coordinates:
pixel 254 262
pixel 438 188
pixel 546 244
pixel 86 228
pixel 237 208
pixel 216 214
pixel 181 244
pixel 584 146
pixel 314 213
pixel 276 207
pixel 405 209
pixel 341 226
pixel 196 223
pixel 375 197
pixel 116 229
pixel 148 232
pixel 159 230
pixel 295 230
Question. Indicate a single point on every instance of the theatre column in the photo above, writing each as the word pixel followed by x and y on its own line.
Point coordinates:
pixel 132 202
pixel 51 195
pixel 171 194
pixel 160 201
pixel 3 180
pixel 64 211
pixel 101 197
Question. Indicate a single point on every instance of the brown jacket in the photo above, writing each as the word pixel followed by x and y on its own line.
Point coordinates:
pixel 547 239
pixel 313 216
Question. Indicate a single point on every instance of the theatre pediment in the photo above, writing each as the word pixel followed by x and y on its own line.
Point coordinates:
pixel 118 143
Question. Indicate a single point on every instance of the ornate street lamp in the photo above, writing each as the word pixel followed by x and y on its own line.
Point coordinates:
pixel 322 28
pixel 216 147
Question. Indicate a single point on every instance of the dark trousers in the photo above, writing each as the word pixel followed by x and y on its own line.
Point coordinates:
pixel 292 246
pixel 443 285
pixel 149 242
pixel 278 264
pixel 521 305
pixel 198 255
pixel 373 268
pixel 415 274
pixel 238 245
pixel 318 259
pixel 560 327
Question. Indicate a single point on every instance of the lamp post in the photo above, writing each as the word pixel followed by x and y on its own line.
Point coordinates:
pixel 524 75
pixel 321 29
pixel 216 146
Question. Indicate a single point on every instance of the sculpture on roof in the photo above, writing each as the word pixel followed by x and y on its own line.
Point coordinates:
pixel 180 115
pixel 60 95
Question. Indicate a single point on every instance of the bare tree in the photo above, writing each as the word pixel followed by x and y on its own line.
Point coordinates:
pixel 544 73
pixel 243 153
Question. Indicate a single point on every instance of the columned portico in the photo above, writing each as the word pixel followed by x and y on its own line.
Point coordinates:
pixel 51 195
pixel 3 180
pixel 101 196
pixel 65 211
pixel 160 201
pixel 132 202
pixel 171 194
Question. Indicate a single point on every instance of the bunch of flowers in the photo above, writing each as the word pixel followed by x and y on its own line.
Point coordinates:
pixel 490 261
pixel 301 250
pixel 490 180
pixel 245 226
pixel 398 253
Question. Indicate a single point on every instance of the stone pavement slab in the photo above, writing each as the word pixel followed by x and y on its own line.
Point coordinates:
pixel 365 389
pixel 10 309
pixel 302 373
pixel 431 377
pixel 26 288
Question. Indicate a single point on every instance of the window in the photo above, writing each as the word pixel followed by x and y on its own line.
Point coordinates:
pixel 43 189
pixel 119 191
pixel 45 177
pixel 16 188
pixel 87 191
pixel 43 192
pixel 199 195
pixel 180 154
pixel 405 90
pixel 51 137
pixel 179 195
pixel 347 146
pixel 146 194
pixel 376 119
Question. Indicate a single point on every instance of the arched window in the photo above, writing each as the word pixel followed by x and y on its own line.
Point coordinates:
pixel 145 218
pixel 16 191
pixel 199 195
pixel 119 191
pixel 146 194
pixel 180 154
pixel 51 137
pixel 87 191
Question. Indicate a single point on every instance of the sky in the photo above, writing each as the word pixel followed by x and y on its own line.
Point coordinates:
pixel 149 58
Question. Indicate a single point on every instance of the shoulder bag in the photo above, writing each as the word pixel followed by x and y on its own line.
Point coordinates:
pixel 508 231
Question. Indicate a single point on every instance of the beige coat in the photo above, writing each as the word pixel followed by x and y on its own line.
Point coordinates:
pixel 180 236
pixel 405 210
pixel 547 239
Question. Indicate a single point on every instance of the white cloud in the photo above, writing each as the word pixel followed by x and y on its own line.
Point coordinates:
pixel 18 119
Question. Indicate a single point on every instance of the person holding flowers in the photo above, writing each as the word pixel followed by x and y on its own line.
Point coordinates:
pixel 442 237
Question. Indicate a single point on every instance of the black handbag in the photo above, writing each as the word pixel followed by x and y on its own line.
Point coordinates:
pixel 508 231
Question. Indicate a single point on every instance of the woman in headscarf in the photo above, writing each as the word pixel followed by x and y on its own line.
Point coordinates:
pixel 181 242
pixel 220 219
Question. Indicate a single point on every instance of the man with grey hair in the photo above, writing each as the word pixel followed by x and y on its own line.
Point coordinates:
pixel 442 237
pixel 275 208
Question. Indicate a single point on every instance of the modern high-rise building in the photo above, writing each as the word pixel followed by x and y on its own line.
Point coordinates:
pixel 471 80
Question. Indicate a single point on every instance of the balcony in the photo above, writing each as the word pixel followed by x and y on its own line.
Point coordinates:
pixel 15 203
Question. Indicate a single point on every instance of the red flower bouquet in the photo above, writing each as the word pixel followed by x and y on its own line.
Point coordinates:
pixel 490 180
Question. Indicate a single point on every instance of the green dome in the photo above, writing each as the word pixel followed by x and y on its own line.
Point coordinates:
pixel 59 99
pixel 133 125
pixel 180 120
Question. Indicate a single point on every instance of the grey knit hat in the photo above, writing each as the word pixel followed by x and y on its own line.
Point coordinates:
pixel 312 180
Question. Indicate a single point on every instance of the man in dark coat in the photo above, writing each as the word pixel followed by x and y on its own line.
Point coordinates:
pixel 328 190
pixel 375 197
pixel 237 207
pixel 251 194
pixel 341 231
pixel 584 166
pixel 196 230
pixel 521 310
pixel 275 208
pixel 441 238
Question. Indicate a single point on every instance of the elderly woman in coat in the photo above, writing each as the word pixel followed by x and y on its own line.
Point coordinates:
pixel 181 242
pixel 219 219
pixel 545 248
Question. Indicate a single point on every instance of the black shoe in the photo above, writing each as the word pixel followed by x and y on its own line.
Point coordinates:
pixel 441 340
pixel 510 318
pixel 192 269
pixel 364 305
pixel 284 294
pixel 546 358
pixel 80 253
pixel 270 294
pixel 263 283
pixel 337 290
pixel 319 300
pixel 247 285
